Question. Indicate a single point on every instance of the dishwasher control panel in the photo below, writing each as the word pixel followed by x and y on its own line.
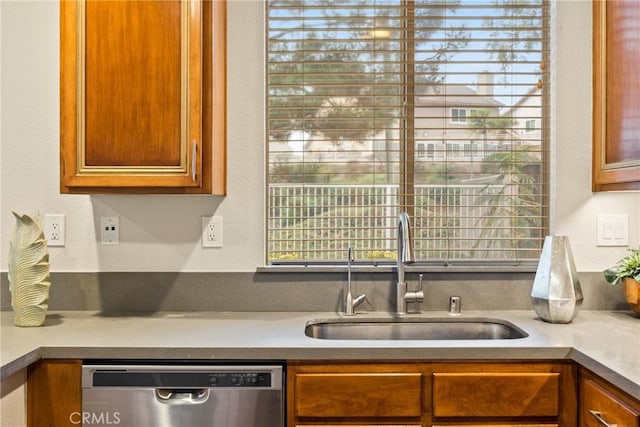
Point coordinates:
pixel 132 377
pixel 114 376
pixel 240 379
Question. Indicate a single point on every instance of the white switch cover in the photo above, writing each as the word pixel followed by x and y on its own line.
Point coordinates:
pixel 613 230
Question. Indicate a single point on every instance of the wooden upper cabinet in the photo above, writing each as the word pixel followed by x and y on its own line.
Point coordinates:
pixel 142 96
pixel 616 95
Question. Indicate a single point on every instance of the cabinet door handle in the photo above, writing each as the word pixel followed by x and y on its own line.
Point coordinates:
pixel 194 150
pixel 601 421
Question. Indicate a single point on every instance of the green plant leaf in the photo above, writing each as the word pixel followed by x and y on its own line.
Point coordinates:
pixel 611 276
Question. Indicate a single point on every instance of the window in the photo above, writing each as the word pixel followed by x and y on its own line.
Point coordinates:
pixel 458 115
pixel 430 150
pixel 358 89
pixel 530 125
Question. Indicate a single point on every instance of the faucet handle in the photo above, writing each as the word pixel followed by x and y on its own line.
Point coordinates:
pixel 418 295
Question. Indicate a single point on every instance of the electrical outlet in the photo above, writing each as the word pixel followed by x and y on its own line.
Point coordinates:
pixel 211 231
pixel 110 226
pixel 54 229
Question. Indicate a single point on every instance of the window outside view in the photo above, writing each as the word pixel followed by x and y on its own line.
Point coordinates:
pixel 433 107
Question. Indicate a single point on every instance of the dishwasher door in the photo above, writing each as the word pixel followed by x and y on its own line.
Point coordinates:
pixel 182 396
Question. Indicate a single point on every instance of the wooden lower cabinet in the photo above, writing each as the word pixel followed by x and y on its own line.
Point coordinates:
pixel 402 394
pixel 54 393
pixel 601 403
pixel 526 394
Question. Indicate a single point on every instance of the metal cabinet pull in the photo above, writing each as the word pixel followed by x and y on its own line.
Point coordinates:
pixel 194 150
pixel 601 421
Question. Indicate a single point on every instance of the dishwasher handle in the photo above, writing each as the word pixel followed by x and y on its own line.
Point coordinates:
pixel 182 395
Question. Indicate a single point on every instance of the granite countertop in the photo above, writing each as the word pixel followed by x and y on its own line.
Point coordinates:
pixel 607 343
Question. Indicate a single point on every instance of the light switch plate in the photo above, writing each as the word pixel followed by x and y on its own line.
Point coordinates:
pixel 612 230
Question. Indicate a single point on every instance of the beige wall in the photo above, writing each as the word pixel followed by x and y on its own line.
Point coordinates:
pixel 161 233
pixel 12 402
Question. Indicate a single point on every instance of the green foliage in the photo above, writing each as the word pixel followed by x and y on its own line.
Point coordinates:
pixel 438 173
pixel 512 221
pixel 483 123
pixel 381 255
pixel 296 173
pixel 334 226
pixel 628 266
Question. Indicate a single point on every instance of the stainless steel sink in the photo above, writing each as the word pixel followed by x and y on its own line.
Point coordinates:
pixel 414 329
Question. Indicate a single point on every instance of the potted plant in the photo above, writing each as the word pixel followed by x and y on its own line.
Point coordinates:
pixel 627 271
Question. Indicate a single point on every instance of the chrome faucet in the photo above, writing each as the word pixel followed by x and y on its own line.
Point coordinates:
pixel 350 302
pixel 405 256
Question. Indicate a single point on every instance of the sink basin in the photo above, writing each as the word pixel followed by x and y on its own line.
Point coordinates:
pixel 414 329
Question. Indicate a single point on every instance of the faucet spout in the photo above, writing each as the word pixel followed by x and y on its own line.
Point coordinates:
pixel 405 245
pixel 405 256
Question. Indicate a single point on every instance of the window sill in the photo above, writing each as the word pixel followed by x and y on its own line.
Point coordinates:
pixel 390 268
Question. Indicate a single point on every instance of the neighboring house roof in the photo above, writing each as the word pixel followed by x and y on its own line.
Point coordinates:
pixel 531 92
pixel 455 96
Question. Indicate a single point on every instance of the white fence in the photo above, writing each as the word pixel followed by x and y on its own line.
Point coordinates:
pixel 319 222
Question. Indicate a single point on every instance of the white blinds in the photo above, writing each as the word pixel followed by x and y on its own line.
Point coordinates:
pixel 434 107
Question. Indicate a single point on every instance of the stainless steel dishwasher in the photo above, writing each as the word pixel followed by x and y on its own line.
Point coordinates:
pixel 182 395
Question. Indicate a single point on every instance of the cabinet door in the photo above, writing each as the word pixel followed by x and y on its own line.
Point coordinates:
pixel 616 103
pixel 136 95
pixel 496 394
pixel 354 394
pixel 358 395
pixel 601 404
